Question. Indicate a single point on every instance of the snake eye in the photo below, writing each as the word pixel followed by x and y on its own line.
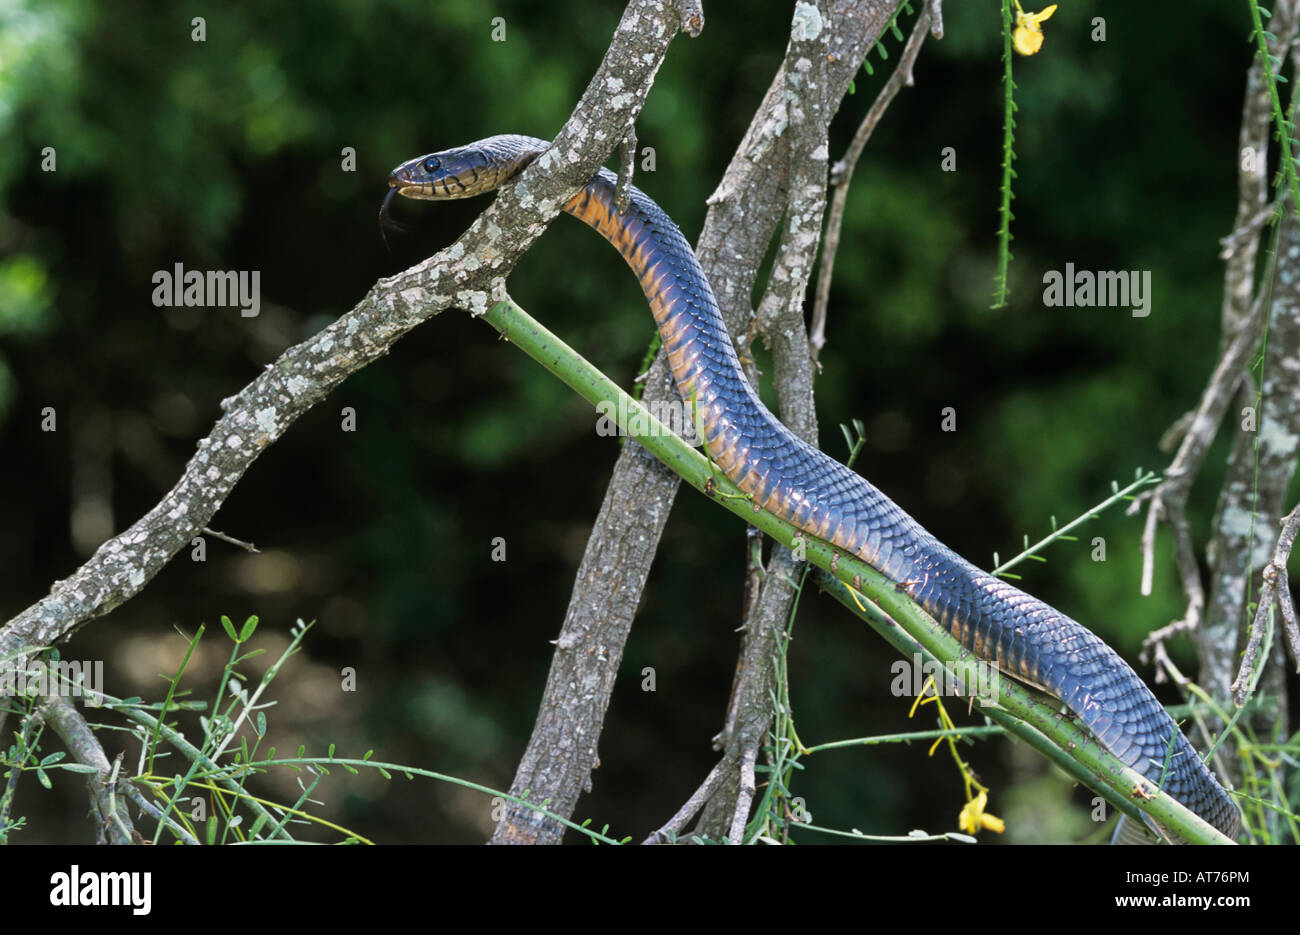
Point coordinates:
pixel 432 164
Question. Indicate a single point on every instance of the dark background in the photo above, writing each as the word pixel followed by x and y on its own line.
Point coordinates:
pixel 226 155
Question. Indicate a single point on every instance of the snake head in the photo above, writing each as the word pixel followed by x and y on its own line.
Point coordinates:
pixel 465 171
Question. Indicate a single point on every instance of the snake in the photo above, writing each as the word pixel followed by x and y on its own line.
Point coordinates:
pixel 794 480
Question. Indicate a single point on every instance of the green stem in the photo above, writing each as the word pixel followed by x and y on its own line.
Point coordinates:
pixel 985 731
pixel 1018 700
pixel 1283 126
pixel 1008 154
pixel 1118 495
pixel 1106 773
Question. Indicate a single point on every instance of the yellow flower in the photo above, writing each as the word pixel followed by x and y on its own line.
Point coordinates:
pixel 1028 35
pixel 973 818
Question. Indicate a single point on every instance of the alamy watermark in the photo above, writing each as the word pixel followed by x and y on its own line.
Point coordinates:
pixel 77 887
pixel 1105 288
pixel 656 418
pixel 63 678
pixel 967 678
pixel 214 288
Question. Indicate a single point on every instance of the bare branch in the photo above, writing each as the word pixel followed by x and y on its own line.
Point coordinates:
pixel 842 173
pixel 1169 499
pixel 744 801
pixel 112 818
pixel 779 320
pixel 1251 502
pixel 465 275
pixel 1246 234
pixel 157 814
pixel 246 546
pixel 936 18
pixel 1276 588
pixel 1243 321
pixel 691 807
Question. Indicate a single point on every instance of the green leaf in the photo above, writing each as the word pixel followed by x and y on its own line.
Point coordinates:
pixel 250 625
pixel 229 627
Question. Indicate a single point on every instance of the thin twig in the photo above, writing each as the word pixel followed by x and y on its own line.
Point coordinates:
pixel 1169 499
pixel 1244 318
pixel 1275 587
pixel 842 172
pixel 194 755
pixel 1032 550
pixel 155 812
pixel 85 747
pixel 116 815
pixel 246 546
pixel 691 807
pixel 1247 231
pixel 745 800
pixel 936 18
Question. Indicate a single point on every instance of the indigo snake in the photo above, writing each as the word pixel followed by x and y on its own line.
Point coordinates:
pixel 794 480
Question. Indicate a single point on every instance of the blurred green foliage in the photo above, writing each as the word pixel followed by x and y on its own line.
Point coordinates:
pixel 226 154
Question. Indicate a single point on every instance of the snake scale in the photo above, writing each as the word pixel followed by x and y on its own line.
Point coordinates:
pixel 993 619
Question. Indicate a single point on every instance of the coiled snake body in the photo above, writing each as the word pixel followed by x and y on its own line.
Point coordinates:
pixel 785 475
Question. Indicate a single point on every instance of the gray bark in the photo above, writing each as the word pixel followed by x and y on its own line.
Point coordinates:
pixel 743 217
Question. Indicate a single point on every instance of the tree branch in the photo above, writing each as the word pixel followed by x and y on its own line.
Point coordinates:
pixel 109 809
pixel 779 321
pixel 468 274
pixel 1276 587
pixel 744 212
pixel 842 173
pixel 465 275
pixel 1243 320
